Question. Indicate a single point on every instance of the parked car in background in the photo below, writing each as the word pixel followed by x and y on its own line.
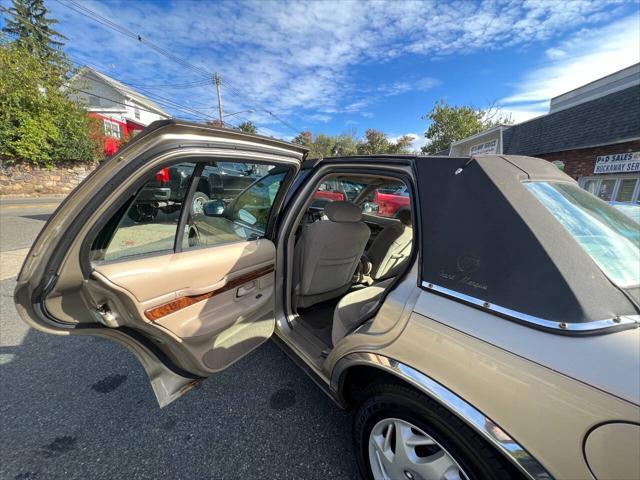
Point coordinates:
pixel 164 192
pixel 495 337
pixel 336 190
pixel 391 203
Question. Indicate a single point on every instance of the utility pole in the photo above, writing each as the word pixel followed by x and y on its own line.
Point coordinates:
pixel 218 81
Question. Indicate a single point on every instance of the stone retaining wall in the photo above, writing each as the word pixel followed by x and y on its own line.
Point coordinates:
pixel 28 180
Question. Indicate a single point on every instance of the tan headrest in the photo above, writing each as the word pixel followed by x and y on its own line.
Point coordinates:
pixel 343 212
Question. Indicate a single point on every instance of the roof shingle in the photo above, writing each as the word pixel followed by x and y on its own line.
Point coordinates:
pixel 606 120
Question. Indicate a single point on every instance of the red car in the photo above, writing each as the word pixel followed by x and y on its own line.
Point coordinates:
pixel 391 203
pixel 338 190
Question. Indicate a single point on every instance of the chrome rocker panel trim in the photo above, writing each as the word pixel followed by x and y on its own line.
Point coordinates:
pixel 495 435
pixel 586 327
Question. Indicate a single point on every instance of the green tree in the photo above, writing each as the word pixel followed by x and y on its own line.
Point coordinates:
pixel 304 138
pixel 376 141
pixel 39 124
pixel 323 145
pixel 248 127
pixel 451 123
pixel 347 143
pixel 29 24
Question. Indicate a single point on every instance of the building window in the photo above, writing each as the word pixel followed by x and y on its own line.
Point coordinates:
pixel 112 129
pixel 614 188
pixel 605 192
pixel 626 190
pixel 136 113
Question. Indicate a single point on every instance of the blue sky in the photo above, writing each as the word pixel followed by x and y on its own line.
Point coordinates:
pixel 336 66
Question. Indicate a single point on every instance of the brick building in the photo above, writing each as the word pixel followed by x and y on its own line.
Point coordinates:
pixel 592 133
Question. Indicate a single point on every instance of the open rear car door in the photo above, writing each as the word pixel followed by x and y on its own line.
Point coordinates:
pixel 158 251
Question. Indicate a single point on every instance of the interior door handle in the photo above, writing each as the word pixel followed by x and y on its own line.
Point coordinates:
pixel 246 289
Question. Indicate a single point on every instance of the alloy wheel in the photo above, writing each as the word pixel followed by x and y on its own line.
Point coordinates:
pixel 398 450
pixel 198 205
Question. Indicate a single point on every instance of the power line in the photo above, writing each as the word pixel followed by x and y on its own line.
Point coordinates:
pixel 82 10
pixel 111 100
pixel 87 12
pixel 186 85
pixel 234 91
pixel 158 98
pixel 163 101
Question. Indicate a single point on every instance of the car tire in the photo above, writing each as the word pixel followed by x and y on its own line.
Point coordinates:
pixel 197 204
pixel 404 407
pixel 193 237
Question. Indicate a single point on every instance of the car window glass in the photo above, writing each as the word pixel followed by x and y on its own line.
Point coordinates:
pixel 336 189
pixel 148 223
pixel 232 203
pixel 609 237
pixel 388 201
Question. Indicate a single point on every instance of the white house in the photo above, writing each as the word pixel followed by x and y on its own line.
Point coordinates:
pixel 122 110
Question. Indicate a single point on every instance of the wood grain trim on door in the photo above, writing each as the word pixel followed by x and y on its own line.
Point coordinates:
pixel 165 309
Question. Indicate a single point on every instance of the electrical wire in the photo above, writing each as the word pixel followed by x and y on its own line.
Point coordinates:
pixel 87 12
pixel 93 15
pixel 237 93
pixel 112 100
pixel 189 112
pixel 163 101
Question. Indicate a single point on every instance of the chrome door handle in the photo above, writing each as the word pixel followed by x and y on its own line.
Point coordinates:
pixel 246 289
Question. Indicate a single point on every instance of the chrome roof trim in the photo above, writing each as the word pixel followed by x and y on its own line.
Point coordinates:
pixel 586 327
pixel 486 427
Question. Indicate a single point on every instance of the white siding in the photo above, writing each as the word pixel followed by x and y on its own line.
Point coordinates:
pixel 110 102
pixel 146 115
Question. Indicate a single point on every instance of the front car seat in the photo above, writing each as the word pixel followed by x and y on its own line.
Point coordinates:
pixel 390 250
pixel 327 254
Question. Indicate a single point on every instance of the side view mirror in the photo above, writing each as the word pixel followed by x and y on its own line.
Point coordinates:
pixel 214 208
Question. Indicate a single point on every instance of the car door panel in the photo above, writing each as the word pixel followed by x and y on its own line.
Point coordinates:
pixel 196 296
pixel 191 272
pixel 185 313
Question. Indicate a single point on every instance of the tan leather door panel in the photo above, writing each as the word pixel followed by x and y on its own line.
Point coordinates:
pixel 217 302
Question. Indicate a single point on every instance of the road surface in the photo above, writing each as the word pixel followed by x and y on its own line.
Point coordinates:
pixel 82 408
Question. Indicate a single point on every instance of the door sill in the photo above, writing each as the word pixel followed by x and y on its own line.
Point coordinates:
pixel 308 367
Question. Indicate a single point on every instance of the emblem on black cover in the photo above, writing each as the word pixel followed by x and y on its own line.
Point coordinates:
pixel 467 263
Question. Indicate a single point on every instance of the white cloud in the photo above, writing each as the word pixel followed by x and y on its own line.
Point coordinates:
pixel 527 112
pixel 320 117
pixel 419 140
pixel 297 58
pixel 590 55
pixel 555 53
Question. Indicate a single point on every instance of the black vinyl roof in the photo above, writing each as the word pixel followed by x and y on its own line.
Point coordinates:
pixel 606 120
pixel 485 237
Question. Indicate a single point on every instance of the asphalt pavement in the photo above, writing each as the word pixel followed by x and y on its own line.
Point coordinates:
pixel 82 408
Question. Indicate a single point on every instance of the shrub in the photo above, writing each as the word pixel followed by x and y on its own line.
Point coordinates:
pixel 39 124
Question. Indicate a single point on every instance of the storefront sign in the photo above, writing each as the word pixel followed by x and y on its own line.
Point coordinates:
pixel 484 148
pixel 618 163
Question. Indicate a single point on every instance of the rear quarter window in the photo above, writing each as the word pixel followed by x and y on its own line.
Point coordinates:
pixel 609 237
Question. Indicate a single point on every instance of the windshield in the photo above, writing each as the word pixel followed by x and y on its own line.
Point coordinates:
pixel 608 236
